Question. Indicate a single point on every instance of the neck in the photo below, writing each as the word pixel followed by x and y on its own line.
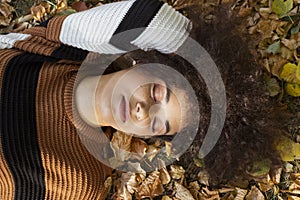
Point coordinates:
pixel 85 100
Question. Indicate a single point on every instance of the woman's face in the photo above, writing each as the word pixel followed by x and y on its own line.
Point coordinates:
pixel 137 103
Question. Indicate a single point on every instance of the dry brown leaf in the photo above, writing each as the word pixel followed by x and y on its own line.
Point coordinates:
pixel 139 147
pixel 276 174
pixel 79 6
pixel 38 12
pixel 168 148
pixel 265 12
pixel 123 193
pixel 164 176
pixel 182 192
pixel 265 183
pixel 46 5
pixel 150 187
pixel 61 4
pixel 203 177
pixel 291 44
pixel 240 194
pixel 5 14
pixel 277 62
pixel 286 53
pixel 245 11
pixel 264 27
pixel 180 4
pixel 255 194
pixel 176 172
pixel 292 197
pixel 166 198
pixel 132 180
pixel 121 145
pixel 195 189
pixel 152 151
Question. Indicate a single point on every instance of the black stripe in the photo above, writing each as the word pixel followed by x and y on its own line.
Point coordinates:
pixel 69 53
pixel 136 20
pixel 18 125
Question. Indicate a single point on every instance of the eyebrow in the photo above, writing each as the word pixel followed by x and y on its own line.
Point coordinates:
pixel 167 124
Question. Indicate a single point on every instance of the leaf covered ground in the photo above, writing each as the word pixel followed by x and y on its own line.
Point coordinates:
pixel 271 31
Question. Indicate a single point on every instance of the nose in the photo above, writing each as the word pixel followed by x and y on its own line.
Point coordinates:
pixel 141 111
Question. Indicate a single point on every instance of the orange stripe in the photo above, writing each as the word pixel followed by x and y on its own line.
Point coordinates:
pixel 70 171
pixel 37 45
pixel 6 179
pixel 36 31
pixel 54 28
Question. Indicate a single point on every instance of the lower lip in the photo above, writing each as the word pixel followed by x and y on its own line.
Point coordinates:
pixel 123 110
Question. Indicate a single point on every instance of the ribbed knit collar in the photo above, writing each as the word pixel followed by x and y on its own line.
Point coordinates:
pixel 72 112
pixel 94 139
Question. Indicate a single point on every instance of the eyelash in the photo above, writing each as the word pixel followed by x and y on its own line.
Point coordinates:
pixel 152 92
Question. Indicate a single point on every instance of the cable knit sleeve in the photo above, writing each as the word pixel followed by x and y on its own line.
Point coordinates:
pixel 118 28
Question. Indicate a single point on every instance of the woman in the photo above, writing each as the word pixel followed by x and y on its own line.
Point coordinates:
pixel 42 155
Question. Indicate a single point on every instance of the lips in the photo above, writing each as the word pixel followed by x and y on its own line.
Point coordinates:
pixel 123 110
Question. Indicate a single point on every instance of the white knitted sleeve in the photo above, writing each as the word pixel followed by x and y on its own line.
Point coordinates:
pixel 92 29
pixel 166 32
pixel 8 41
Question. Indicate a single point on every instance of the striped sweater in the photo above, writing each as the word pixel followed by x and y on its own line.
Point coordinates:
pixel 41 155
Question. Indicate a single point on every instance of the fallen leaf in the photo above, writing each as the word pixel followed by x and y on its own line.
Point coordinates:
pixel 121 145
pixel 281 7
pixel 265 12
pixel 286 53
pixel 79 6
pixel 152 151
pixel 132 181
pixel 273 87
pixel 255 193
pixel 291 44
pixel 176 172
pixel 276 174
pixel 139 147
pixel 182 192
pixel 260 168
pixel 166 198
pixel 274 48
pixel 240 194
pixel 168 148
pixel 194 189
pixel 293 89
pixel 150 187
pixel 164 175
pixel 38 12
pixel 287 148
pixel 203 177
pixel 291 73
pixel 5 14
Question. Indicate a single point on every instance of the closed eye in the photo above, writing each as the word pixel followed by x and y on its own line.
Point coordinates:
pixel 159 93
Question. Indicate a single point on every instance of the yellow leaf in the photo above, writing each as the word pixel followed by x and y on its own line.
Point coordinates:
pixel 293 89
pixel 289 73
pixel 287 148
pixel 281 7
